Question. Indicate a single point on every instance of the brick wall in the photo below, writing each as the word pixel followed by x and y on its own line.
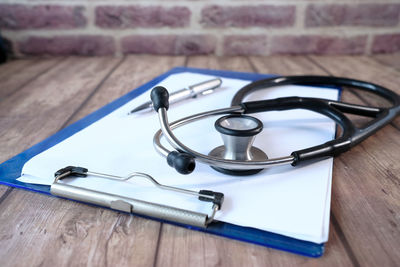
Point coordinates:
pixel 224 27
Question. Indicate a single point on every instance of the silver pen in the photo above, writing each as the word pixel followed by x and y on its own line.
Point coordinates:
pixel 192 91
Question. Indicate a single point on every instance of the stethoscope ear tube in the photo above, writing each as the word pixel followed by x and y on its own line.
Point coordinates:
pixel 181 161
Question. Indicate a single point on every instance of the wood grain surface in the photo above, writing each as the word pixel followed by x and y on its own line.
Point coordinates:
pixel 392 60
pixel 367 206
pixel 38 97
pixel 16 74
pixel 80 234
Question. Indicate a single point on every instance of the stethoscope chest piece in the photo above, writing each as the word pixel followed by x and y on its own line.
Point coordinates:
pixel 238 133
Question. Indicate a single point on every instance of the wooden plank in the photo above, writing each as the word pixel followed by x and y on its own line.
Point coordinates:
pixel 15 74
pixel 236 63
pixel 366 199
pixel 43 106
pixel 3 190
pixel 48 231
pixel 135 71
pixel 392 60
pixel 180 247
pixel 77 234
pixel 286 65
pixel 359 67
pixel 36 110
pixel 11 67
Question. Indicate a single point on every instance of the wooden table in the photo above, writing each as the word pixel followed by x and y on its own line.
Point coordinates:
pixel 38 97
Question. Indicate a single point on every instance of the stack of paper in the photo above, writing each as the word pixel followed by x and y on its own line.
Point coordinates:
pixel 292 201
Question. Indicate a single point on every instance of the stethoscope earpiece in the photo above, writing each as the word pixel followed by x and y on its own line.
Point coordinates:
pixel 238 133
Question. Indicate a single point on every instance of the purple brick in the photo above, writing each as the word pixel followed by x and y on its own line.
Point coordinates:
pixel 315 44
pixel 352 15
pixel 248 16
pixel 18 17
pixel 168 44
pixel 87 45
pixel 195 44
pixel 245 45
pixel 386 43
pixel 142 16
pixel 143 44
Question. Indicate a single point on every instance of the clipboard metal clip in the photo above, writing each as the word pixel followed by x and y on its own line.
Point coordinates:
pixel 132 205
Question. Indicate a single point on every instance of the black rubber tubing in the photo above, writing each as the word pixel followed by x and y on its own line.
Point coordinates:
pixel 351 135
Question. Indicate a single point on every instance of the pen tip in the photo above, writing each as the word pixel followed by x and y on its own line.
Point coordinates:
pixel 139 109
pixel 132 111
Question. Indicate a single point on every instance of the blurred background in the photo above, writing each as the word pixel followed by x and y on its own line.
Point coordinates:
pixel 188 27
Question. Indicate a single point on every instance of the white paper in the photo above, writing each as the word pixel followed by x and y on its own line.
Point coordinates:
pixel 292 201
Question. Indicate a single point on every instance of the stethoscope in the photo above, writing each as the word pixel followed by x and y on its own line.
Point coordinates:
pixel 238 156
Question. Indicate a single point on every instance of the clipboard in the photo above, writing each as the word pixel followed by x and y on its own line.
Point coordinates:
pixel 11 169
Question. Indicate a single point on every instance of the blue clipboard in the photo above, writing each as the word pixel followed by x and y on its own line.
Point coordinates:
pixel 11 169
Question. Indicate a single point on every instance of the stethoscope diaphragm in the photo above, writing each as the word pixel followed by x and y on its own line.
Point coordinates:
pixel 238 133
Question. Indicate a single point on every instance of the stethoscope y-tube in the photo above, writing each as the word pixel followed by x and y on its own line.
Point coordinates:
pixel 183 158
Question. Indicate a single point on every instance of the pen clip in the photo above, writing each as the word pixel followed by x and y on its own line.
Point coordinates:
pixel 206 87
